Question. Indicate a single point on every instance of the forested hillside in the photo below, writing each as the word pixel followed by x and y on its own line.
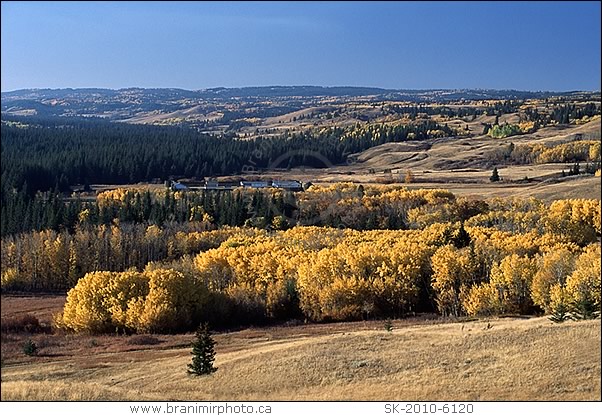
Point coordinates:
pixel 41 155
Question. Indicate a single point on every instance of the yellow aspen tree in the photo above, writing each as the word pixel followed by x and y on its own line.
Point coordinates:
pixel 453 268
pixel 512 278
pixel 583 285
pixel 553 268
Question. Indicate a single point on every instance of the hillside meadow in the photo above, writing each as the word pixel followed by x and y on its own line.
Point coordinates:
pixel 492 359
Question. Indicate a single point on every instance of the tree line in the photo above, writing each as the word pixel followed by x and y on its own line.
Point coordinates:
pixel 55 260
pixel 325 274
pixel 52 155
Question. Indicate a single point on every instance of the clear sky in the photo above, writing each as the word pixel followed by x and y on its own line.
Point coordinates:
pixel 193 45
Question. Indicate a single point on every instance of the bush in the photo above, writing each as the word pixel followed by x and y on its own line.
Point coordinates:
pixel 143 340
pixel 30 348
pixel 23 324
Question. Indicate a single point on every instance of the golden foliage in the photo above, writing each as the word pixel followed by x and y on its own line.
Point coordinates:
pixel 553 269
pixel 512 278
pixel 453 270
pixel 99 302
pixel 481 300
pixel 583 286
pixel 520 254
pixel 152 301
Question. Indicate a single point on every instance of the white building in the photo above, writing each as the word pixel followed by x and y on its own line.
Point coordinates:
pixel 287 184
pixel 254 185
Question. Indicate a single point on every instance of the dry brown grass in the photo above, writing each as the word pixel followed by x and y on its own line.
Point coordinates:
pixel 502 359
pixel 42 306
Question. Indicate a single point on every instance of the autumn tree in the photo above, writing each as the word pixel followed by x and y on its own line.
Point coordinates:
pixel 583 285
pixel 512 279
pixel 553 269
pixel 453 270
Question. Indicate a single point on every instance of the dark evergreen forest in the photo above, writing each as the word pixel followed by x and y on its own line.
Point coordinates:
pixel 42 158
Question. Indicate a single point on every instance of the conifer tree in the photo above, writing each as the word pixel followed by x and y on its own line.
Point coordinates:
pixel 584 309
pixel 495 177
pixel 203 353
pixel 462 238
pixel 30 348
pixel 560 313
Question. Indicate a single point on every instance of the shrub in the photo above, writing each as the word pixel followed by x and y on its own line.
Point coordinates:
pixel 23 324
pixel 30 348
pixel 143 340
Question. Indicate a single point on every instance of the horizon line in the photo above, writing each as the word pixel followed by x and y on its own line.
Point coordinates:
pixel 300 86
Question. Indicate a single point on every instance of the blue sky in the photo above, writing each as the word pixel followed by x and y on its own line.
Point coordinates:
pixel 194 45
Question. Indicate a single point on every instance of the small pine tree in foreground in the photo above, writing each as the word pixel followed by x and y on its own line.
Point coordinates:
pixel 203 353
pixel 495 177
pixel 30 348
pixel 388 325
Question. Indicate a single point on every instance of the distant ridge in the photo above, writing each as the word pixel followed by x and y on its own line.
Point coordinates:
pixel 279 90
pixel 175 104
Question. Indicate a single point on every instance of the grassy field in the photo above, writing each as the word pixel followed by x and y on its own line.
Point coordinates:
pixel 421 359
pixel 462 166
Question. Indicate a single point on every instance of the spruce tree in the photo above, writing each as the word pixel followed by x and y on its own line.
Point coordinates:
pixel 203 353
pixel 388 325
pixel 495 177
pixel 560 313
pixel 585 309
pixel 461 238
pixel 30 348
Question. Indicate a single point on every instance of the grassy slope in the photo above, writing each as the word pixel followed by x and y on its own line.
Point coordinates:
pixel 503 359
pixel 461 166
